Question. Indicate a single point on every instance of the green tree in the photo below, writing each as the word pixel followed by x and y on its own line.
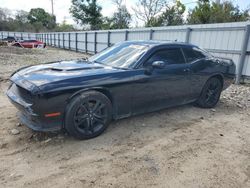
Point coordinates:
pixel 40 18
pixel 148 10
pixel 106 23
pixel 210 12
pixel 22 20
pixel 7 22
pixel 3 14
pixel 173 15
pixel 201 13
pixel 64 27
pixel 227 12
pixel 87 12
pixel 121 18
pixel 3 18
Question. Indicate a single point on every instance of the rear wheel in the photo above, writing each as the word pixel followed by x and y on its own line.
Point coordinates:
pixel 88 115
pixel 210 94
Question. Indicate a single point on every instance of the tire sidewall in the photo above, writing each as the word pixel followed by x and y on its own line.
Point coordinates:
pixel 75 104
pixel 200 102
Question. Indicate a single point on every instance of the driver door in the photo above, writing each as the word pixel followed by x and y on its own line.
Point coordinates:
pixel 161 87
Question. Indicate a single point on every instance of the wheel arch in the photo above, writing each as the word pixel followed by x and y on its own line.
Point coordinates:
pixel 103 90
pixel 220 77
pixel 216 75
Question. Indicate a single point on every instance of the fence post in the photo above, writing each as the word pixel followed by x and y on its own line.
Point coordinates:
pixel 69 41
pixel 126 35
pixel 48 38
pixel 51 39
pixel 63 41
pixel 76 41
pixel 95 47
pixel 59 40
pixel 188 34
pixel 243 54
pixel 151 34
pixel 108 38
pixel 86 42
pixel 54 39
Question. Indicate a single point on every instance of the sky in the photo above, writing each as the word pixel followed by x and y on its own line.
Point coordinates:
pixel 61 7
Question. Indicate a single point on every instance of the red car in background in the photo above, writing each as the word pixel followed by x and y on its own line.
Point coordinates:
pixel 30 44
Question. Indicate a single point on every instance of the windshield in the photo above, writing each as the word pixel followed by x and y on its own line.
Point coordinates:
pixel 122 55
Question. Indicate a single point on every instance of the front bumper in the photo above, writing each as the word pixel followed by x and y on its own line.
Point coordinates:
pixel 35 124
pixel 29 118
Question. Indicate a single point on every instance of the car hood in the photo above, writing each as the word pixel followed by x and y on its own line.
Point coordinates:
pixel 43 74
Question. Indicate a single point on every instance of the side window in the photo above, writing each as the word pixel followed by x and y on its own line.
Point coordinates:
pixel 193 54
pixel 171 56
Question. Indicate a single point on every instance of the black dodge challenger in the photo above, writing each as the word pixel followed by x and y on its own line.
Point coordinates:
pixel 129 78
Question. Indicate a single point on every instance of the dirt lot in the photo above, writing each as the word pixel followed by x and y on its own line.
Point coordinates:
pixel 178 147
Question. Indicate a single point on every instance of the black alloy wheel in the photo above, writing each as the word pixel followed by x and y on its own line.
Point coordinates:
pixel 88 115
pixel 210 94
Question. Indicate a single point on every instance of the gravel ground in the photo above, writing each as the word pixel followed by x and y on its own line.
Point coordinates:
pixel 12 58
pixel 177 147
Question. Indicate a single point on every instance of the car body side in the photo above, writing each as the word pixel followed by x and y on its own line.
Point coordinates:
pixel 131 91
pixel 29 44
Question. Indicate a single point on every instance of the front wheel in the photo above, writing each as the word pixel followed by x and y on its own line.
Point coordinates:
pixel 88 115
pixel 210 94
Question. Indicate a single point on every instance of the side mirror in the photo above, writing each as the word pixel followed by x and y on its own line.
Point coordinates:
pixel 158 64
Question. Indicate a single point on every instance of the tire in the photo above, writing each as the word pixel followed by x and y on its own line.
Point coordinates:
pixel 88 115
pixel 210 94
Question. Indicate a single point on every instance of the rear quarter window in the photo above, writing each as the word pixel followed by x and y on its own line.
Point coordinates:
pixel 192 54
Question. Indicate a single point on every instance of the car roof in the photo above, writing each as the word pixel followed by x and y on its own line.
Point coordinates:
pixel 153 43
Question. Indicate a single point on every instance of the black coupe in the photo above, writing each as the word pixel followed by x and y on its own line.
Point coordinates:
pixel 129 78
